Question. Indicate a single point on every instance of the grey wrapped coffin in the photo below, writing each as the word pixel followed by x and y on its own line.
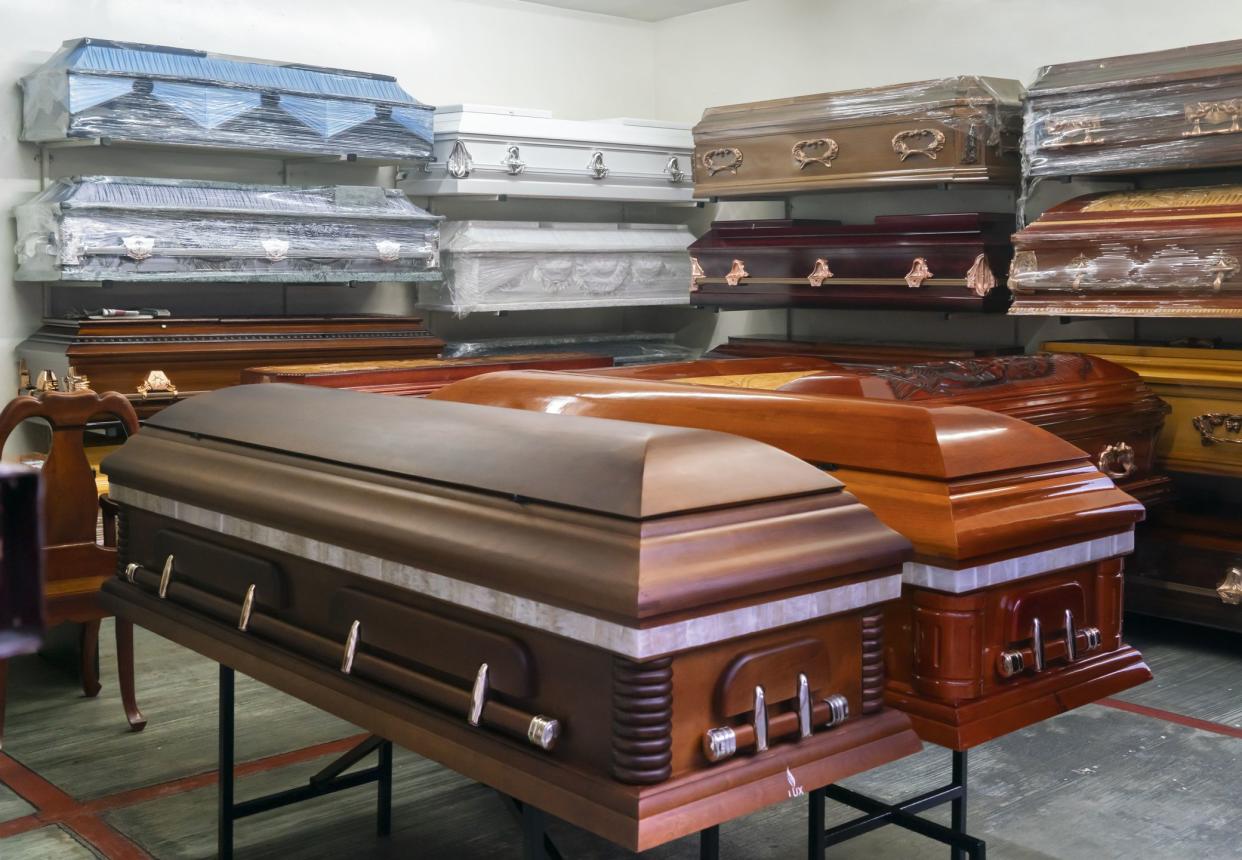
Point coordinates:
pixel 99 228
pixel 134 93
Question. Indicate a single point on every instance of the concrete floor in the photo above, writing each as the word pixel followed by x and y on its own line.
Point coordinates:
pixel 1156 773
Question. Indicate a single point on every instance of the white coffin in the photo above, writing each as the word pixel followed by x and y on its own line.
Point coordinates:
pixel 532 265
pixel 528 153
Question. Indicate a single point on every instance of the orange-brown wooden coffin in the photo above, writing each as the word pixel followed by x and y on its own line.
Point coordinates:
pixel 642 630
pixel 1011 610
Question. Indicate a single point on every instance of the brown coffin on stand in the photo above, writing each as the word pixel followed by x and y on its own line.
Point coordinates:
pixel 157 362
pixel 906 262
pixel 1169 252
pixel 1101 407
pixel 1159 111
pixel 415 377
pixel 961 129
pixel 595 596
pixel 1011 611
pixel 855 352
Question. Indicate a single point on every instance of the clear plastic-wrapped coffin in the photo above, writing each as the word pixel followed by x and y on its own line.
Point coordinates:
pixel 533 265
pixel 119 228
pixel 646 630
pixel 134 93
pixel 1011 608
pixel 481 149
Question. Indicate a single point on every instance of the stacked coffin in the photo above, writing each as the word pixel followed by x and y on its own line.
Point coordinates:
pixel 1012 607
pixel 124 92
pixel 486 150
pixel 542 603
pixel 855 351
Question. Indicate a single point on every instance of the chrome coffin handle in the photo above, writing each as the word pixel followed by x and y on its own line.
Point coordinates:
pixel 1209 422
pixel 459 164
pixel 513 163
pixel 804 707
pixel 673 168
pixel 761 720
pixel 596 165
pixel 243 620
pixel 478 695
pixel 1015 661
pixel 351 647
pixel 723 742
pixel 1071 644
pixel 166 577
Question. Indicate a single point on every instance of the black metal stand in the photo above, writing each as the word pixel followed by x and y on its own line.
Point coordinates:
pixel 327 781
pixel 878 814
pixel 537 845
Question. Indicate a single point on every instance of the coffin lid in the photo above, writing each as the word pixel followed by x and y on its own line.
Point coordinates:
pixel 460 237
pixel 615 468
pixel 1187 63
pixel 135 59
pixel 999 95
pixel 790 231
pixel 530 123
pixel 1169 212
pixel 173 197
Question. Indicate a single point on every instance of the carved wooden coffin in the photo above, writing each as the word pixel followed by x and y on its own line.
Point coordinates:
pixel 1103 408
pixel 1011 610
pixel 539 265
pixel 1164 110
pixel 1202 382
pixel 912 262
pixel 126 92
pixel 1170 252
pixel 544 604
pixel 414 377
pixel 1188 561
pixel 156 362
pixel 961 129
pixel 116 228
pixel 855 352
pixel 488 150
pixel 21 561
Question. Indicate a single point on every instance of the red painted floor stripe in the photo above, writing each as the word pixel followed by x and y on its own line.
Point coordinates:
pixel 107 841
pixel 1169 716
pixel 46 798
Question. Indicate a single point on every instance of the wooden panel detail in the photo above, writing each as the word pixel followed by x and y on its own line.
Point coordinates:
pixel 947 648
pixel 872 663
pixel 776 669
pixel 642 727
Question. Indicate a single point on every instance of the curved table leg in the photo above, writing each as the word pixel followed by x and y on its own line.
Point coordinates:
pixel 125 674
pixel 89 653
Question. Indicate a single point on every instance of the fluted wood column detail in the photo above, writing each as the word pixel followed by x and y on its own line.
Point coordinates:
pixel 642 726
pixel 872 663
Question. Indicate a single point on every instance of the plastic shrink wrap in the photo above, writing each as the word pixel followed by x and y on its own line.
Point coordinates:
pixel 958 129
pixel 1159 252
pixel 624 348
pixel 106 228
pixel 1166 110
pixel 529 265
pixel 135 93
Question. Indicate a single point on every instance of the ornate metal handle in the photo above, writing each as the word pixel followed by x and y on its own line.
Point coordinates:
pixel 819 273
pixel 1230 588
pixel 138 247
pixel 696 274
pixel 674 171
pixel 157 382
pixel 714 161
pixel 827 144
pixel 979 277
pixel 1117 461
pixel 1213 113
pixel 1208 422
pixel 736 273
pixel 513 162
pixel 1087 126
pixel 918 273
pixel 904 150
pixel 275 250
pixel 596 165
pixel 459 161
pixel 1223 265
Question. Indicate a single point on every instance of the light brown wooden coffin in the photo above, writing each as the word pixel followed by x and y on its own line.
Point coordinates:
pixel 627 586
pixel 960 129
pixel 1010 525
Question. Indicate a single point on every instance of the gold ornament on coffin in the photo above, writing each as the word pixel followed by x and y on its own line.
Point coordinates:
pixel 1085 127
pixel 736 273
pixel 716 160
pixel 1230 588
pixel 918 273
pixel 1223 265
pixel 979 278
pixel 904 149
pixel 157 382
pixel 696 274
pixel 819 274
pixel 826 144
pixel 1213 113
pixel 1079 266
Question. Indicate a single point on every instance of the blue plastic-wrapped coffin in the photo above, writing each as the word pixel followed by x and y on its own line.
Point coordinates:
pixel 133 93
pixel 119 228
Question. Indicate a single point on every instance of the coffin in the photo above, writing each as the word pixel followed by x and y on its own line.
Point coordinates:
pixel 116 228
pixel 157 362
pixel 483 149
pixel 1169 252
pixel 854 351
pixel 910 262
pixel 543 604
pixel 1164 110
pixel 960 129
pixel 21 561
pixel 414 377
pixel 1100 407
pixel 622 348
pixel 125 92
pixel 1011 610
pixel 532 265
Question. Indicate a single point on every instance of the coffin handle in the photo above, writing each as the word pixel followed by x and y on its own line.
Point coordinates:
pixel 513 162
pixel 904 148
pixel 1117 461
pixel 718 160
pixel 1230 588
pixel 1209 422
pixel 736 273
pixel 596 166
pixel 723 742
pixel 819 273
